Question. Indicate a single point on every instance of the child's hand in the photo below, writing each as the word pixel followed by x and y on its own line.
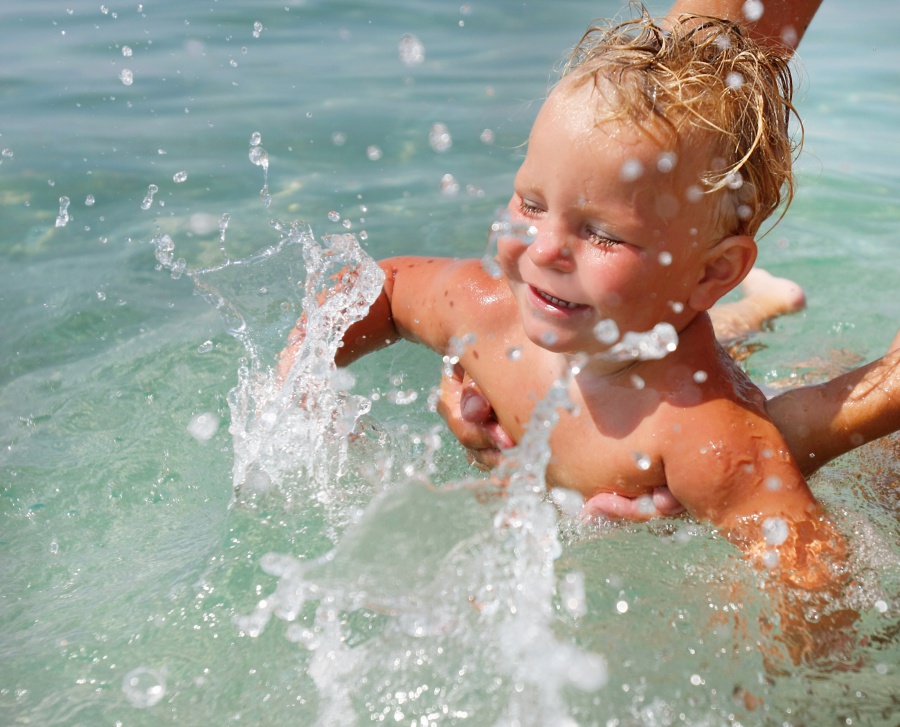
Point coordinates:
pixel 471 419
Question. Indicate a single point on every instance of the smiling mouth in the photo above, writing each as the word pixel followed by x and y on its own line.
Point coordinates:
pixel 556 302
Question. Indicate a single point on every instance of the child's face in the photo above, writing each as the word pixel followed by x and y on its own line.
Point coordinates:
pixel 621 226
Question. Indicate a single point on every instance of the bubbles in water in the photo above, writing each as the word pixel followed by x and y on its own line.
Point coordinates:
pixel 126 76
pixel 775 531
pixel 641 460
pixel 144 687
pixel 411 51
pixel 631 170
pixel 89 201
pixel 374 153
pixel 179 177
pixel 666 161
pixel 334 216
pixel 126 51
pixel 607 331
pixel 734 80
pixel 148 198
pixel 203 427
pixel 439 138
pixel 449 186
pixel 487 136
pixel 257 29
pixel 62 219
pixel 753 10
pixel 665 258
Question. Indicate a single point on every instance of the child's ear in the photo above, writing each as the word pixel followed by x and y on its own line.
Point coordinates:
pixel 726 265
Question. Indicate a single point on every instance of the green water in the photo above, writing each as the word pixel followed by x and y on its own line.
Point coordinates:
pixel 120 546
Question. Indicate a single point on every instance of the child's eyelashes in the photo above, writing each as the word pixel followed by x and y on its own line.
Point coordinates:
pixel 600 240
pixel 528 209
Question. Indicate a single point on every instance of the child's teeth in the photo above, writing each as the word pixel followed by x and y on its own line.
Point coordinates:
pixel 558 302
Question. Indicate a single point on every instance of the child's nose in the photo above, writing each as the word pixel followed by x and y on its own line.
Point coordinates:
pixel 551 248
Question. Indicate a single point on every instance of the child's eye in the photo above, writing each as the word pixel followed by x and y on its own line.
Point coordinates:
pixel 600 240
pixel 528 209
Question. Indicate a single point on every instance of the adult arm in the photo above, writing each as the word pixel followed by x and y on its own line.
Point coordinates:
pixel 782 22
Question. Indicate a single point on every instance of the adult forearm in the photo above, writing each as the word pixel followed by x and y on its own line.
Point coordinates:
pixel 781 22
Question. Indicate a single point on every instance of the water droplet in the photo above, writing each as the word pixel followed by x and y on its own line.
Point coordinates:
pixel 665 162
pixel 665 258
pixel 411 51
pixel 753 10
pixel 126 76
pixel 148 198
pixel 259 157
pixel 548 338
pixel 487 136
pixel 257 29
pixel 700 376
pixel 606 331
pixel 771 559
pixel 449 186
pixel 881 606
pixel 514 353
pixel 346 224
pixel 89 201
pixel 338 138
pixel 631 170
pixel 622 606
pixel 126 51
pixel 203 427
pixel 572 594
pixel 641 460
pixel 676 306
pixel 101 296
pixel 637 382
pixel 775 531
pixel 334 216
pixel 881 669
pixel 373 153
pixel 255 139
pixel 179 177
pixel 696 680
pixel 734 180
pixel 54 549
pixel 693 193
pixel 744 211
pixel 439 138
pixel 773 483
pixel 144 687
pixel 205 347
pixel 734 80
pixel 63 218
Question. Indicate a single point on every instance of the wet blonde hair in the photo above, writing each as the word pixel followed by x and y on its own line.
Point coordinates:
pixel 704 79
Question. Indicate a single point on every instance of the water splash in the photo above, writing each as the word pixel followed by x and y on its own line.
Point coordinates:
pixel 504 226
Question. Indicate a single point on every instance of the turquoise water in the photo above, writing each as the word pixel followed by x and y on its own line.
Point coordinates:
pixel 132 575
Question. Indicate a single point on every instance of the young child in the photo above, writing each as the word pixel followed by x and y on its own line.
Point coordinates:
pixel 648 171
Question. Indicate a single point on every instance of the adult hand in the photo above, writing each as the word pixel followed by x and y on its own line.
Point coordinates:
pixel 661 503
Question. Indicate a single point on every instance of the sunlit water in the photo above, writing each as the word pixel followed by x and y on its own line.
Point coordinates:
pixel 185 541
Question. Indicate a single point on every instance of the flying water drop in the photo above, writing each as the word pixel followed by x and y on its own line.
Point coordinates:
pixel 62 219
pixel 148 198
pixel 411 51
